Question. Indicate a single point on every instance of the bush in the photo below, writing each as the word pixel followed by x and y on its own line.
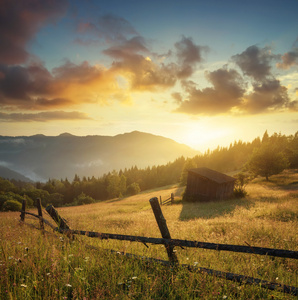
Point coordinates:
pixel 133 189
pixel 239 189
pixel 83 199
pixel 12 205
pixel 239 192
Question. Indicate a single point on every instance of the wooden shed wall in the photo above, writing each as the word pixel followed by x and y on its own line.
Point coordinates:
pixel 203 189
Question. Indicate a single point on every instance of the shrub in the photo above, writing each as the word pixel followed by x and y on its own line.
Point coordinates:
pixel 241 182
pixel 239 192
pixel 83 199
pixel 133 189
pixel 12 205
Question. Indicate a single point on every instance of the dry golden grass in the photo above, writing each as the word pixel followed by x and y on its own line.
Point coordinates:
pixel 267 217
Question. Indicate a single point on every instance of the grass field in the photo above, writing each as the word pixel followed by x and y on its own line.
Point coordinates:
pixel 36 265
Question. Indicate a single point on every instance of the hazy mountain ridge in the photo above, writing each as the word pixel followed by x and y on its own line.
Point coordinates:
pixel 6 173
pixel 40 157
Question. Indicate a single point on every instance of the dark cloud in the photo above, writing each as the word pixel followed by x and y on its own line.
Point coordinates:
pixel 73 73
pixel 19 22
pixel 147 70
pixel 25 87
pixel 110 28
pixel 127 48
pixel 226 94
pixel 255 62
pixel 268 96
pixel 289 59
pixel 293 105
pixel 43 116
pixel 132 60
pixel 188 55
pixel 34 87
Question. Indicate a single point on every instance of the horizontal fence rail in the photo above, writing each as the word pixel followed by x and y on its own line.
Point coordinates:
pixel 185 243
pixel 170 243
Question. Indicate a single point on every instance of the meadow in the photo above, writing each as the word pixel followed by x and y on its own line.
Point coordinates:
pixel 48 265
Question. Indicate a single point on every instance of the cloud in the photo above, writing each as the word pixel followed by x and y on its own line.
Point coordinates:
pixel 188 55
pixel 226 93
pixel 266 97
pixel 127 48
pixel 289 59
pixel 43 116
pixel 133 62
pixel 19 22
pixel 146 70
pixel 255 62
pixel 109 28
pixel 33 87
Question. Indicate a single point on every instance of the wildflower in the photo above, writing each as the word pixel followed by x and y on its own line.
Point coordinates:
pixel 70 255
pixel 68 285
pixel 195 263
pixel 48 274
pixel 134 277
pixel 224 297
pixel 23 285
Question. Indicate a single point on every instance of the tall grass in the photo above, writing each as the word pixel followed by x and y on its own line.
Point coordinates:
pixel 36 265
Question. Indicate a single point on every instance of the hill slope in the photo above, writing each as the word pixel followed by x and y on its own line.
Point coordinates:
pixel 6 173
pixel 41 157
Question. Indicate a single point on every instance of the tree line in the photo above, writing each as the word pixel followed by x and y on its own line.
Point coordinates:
pixel 264 157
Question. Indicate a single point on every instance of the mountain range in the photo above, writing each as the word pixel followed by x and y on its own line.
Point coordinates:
pixel 41 157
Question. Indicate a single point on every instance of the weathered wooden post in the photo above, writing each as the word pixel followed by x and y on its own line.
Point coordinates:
pixel 172 198
pixel 160 201
pixel 162 224
pixel 39 208
pixel 23 210
pixel 55 215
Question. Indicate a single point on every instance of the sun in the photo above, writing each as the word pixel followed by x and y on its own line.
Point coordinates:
pixel 205 137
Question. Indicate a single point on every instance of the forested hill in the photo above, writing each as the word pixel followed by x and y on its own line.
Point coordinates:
pixel 42 157
pixel 265 157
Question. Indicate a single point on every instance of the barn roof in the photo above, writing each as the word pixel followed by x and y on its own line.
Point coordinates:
pixel 212 175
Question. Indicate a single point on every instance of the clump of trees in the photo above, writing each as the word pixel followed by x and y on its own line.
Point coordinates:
pixel 261 157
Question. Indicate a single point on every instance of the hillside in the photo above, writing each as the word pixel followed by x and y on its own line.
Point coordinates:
pixel 41 157
pixel 49 265
pixel 6 173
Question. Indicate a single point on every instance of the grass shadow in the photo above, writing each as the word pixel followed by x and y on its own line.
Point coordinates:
pixel 210 210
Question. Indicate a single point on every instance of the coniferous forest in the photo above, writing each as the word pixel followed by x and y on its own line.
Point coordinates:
pixel 275 152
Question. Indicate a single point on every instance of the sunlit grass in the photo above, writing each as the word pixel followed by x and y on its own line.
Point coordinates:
pixel 34 265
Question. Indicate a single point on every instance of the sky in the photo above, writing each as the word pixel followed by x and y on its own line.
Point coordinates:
pixel 203 73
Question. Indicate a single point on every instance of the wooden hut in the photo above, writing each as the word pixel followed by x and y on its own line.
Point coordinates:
pixel 204 184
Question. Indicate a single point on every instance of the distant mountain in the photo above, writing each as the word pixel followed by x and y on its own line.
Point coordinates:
pixel 6 173
pixel 41 157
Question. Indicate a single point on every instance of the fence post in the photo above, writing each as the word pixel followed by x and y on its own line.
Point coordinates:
pixel 38 203
pixel 54 214
pixel 23 210
pixel 162 224
pixel 172 198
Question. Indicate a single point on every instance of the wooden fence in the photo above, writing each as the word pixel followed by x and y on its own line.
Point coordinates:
pixel 169 244
pixel 167 201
